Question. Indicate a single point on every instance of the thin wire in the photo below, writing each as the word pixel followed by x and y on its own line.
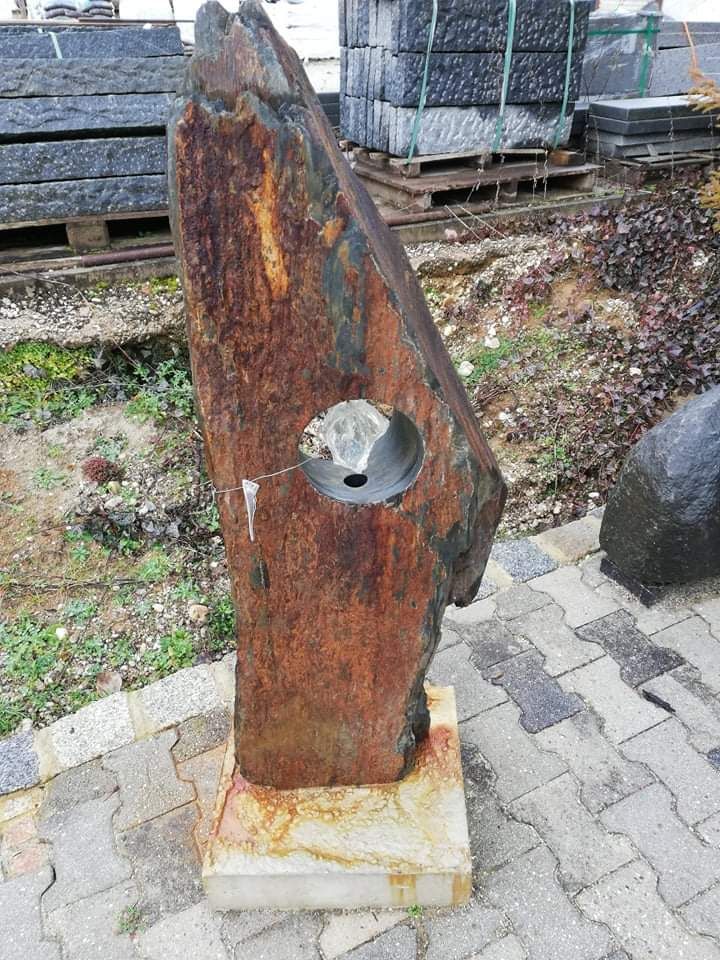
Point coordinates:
pixel 424 85
pixel 264 476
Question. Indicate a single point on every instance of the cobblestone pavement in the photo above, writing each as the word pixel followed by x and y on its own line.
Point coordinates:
pixel 591 747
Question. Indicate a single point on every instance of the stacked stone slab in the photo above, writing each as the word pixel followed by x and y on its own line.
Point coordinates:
pixel 82 120
pixel 619 55
pixel 649 127
pixel 681 47
pixel 383 55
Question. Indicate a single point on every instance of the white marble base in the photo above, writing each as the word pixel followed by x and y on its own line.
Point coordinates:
pixel 389 845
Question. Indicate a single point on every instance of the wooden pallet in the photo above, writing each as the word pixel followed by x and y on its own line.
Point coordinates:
pixel 462 178
pixel 637 170
pixel 56 240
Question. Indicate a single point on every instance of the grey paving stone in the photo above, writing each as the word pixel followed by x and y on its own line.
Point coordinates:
pixel 580 603
pixel 296 937
pixel 509 948
pixel 692 640
pixel 703 914
pixel 647 619
pixel 19 767
pixel 149 785
pixel 400 943
pixel 77 785
pixel 449 636
pixel 541 699
pixel 604 775
pixel 495 837
pixel 518 600
pixel 684 865
pixel 476 612
pixel 201 733
pixel 709 610
pixel 622 711
pixel 22 935
pixel 515 759
pixel 693 782
pixel 165 862
pixel 191 933
pixel 473 694
pixel 638 658
pixel 89 929
pixel 585 852
pixel 492 642
pixel 701 718
pixel 628 902
pixel 714 757
pixel 203 771
pixel 240 925
pixel 542 916
pixel 522 559
pixel 83 851
pixel 563 650
pixel 487 589
pixel 571 541
pixel 343 932
pixel 457 934
pixel 709 830
pixel 187 693
pixel 93 731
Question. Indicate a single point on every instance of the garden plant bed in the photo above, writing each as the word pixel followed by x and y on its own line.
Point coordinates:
pixel 572 338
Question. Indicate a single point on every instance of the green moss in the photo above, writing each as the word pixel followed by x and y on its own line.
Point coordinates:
pixel 43 381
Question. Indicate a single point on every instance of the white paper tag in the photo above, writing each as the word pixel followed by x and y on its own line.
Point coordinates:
pixel 250 489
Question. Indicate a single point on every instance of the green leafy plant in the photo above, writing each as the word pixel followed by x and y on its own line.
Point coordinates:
pixel 221 624
pixel 176 650
pixel 156 566
pixel 47 478
pixel 131 920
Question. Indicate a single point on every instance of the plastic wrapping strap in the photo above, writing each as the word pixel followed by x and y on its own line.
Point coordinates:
pixel 560 126
pixel 512 12
pixel 423 86
pixel 649 30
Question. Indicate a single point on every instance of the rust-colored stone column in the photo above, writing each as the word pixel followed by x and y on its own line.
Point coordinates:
pixel 298 297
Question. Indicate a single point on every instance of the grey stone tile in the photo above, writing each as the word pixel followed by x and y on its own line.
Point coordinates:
pixel 89 929
pixel 191 933
pixel 187 693
pixel 474 613
pixel 638 658
pixel 517 601
pixel 495 837
pixel 457 934
pixel 165 862
pixel 492 642
pixel 449 636
pixel 541 699
pixel 201 733
pixel 203 771
pixel 22 934
pixel 709 830
pixel 400 943
pixel 622 711
pixel 509 948
pixel 562 648
pixel 714 757
pixel 604 775
pixel 296 937
pixel 83 851
pixel 585 852
pixel 541 914
pixel 344 932
pixel 571 541
pixel 628 902
pixel 693 782
pixel 473 694
pixel 693 641
pixel 580 603
pixel 240 925
pixel 703 914
pixel 522 559
pixel 709 610
pixel 487 589
pixel 77 785
pixel 19 767
pixel 512 754
pixel 93 731
pixel 684 865
pixel 701 718
pixel 149 785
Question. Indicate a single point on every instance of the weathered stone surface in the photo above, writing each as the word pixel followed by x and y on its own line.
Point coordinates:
pixel 77 785
pixel 174 699
pixel 581 604
pixel 63 78
pixel 473 694
pixel 693 640
pixel 191 933
pixel 522 559
pixel 92 731
pixel 81 159
pixel 541 699
pixel 638 658
pixel 346 931
pixel 89 928
pixel 662 520
pixel 89 42
pixel 291 277
pixel 47 115
pixel 201 733
pixel 562 648
pixel 22 934
pixel 397 944
pixel 457 934
pixel 22 203
pixel 492 643
pixel 517 601
pixel 19 767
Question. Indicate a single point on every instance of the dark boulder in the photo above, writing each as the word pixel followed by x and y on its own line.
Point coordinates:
pixel 662 520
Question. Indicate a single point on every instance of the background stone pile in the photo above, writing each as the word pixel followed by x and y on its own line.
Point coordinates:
pixel 383 50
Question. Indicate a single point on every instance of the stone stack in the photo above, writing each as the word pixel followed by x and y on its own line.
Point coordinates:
pixel 383 52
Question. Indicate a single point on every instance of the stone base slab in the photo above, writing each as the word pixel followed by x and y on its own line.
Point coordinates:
pixel 385 845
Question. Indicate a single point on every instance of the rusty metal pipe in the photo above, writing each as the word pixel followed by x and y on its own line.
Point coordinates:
pixel 125 256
